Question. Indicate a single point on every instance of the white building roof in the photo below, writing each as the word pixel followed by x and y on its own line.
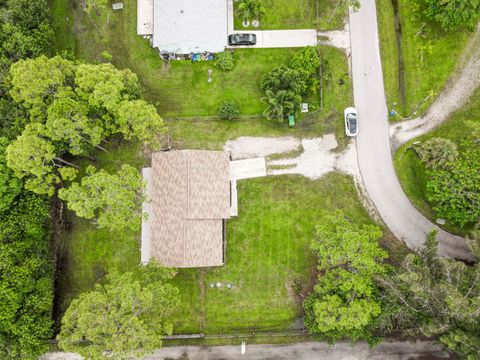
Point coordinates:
pixel 187 26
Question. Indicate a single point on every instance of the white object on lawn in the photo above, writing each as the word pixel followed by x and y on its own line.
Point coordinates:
pixel 304 107
pixel 117 6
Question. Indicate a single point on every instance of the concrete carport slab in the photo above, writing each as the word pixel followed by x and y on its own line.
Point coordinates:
pixel 247 168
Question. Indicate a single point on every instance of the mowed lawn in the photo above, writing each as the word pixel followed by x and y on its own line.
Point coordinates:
pixel 429 54
pixel 412 172
pixel 298 14
pixel 267 252
pixel 180 88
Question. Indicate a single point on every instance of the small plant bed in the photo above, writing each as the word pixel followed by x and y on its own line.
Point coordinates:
pixel 296 14
pixel 428 55
pixel 268 260
pixel 415 176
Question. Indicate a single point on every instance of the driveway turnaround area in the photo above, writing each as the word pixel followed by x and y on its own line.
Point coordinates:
pixel 373 144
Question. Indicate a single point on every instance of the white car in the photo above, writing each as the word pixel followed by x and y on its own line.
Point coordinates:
pixel 351 121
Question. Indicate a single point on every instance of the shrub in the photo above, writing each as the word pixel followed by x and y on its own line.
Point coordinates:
pixel 307 60
pixel 438 153
pixel 284 78
pixel 224 61
pixel 228 110
pixel 453 14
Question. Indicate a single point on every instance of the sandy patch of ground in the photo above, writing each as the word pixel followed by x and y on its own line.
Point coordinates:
pixel 456 93
pixel 317 159
pixel 251 147
pixel 336 38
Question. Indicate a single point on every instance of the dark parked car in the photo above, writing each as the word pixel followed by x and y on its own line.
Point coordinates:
pixel 242 39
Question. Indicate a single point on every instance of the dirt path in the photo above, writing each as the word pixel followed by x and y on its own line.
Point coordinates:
pixel 456 93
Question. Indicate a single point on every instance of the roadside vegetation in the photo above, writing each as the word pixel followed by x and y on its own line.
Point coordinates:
pixel 416 71
pixel 427 185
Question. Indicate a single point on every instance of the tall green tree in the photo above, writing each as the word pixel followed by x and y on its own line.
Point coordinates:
pixel 345 303
pixel 10 185
pixel 113 200
pixel 33 157
pixel 68 122
pixel 36 82
pixel 440 297
pixel 139 120
pixel 125 317
pixel 26 279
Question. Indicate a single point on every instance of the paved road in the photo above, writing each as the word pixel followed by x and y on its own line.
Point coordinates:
pixel 305 351
pixel 373 144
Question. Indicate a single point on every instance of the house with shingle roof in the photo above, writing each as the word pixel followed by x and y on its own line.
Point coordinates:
pixel 189 194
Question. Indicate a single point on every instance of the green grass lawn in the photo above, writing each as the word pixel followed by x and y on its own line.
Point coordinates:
pixel 267 251
pixel 411 171
pixel 429 54
pixel 180 88
pixel 298 14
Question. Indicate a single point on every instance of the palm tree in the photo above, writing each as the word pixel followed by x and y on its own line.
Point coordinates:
pixel 279 104
pixel 244 10
pixel 258 10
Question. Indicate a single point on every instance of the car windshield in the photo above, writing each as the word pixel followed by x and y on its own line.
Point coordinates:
pixel 352 123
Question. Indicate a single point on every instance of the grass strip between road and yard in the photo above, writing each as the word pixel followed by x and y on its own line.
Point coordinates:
pixel 425 60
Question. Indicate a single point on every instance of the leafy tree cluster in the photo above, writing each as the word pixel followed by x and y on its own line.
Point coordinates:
pixel 438 297
pixel 453 187
pixel 113 200
pixel 72 108
pixel 346 302
pixel 285 85
pixel 453 14
pixel 25 31
pixel 26 280
pixel 26 274
pixel 125 317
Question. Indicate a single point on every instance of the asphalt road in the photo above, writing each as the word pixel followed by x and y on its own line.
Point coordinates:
pixel 306 351
pixel 373 143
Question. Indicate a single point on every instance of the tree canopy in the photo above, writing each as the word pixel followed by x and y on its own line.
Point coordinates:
pixel 345 302
pixel 439 297
pixel 113 200
pixel 453 14
pixel 125 317
pixel 72 108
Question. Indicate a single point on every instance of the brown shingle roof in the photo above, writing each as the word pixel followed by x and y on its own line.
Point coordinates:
pixel 190 199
